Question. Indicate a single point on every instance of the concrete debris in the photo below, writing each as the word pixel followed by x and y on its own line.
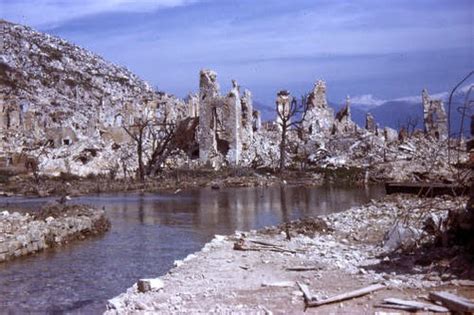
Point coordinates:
pixel 401 236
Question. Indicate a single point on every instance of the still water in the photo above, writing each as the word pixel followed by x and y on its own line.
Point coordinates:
pixel 149 232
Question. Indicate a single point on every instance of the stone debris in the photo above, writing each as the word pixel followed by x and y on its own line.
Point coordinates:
pixel 24 234
pixel 348 252
pixel 399 236
pixel 145 285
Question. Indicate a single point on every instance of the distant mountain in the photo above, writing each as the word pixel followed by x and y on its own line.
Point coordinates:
pixel 267 112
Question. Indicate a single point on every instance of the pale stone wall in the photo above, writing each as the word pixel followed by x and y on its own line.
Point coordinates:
pixel 319 119
pixel 22 234
pixel 434 117
pixel 233 125
pixel 247 118
pixel 208 92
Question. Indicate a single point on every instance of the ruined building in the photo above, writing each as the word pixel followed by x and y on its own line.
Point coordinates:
pixel 319 118
pixel 343 122
pixel 226 123
pixel 370 124
pixel 434 117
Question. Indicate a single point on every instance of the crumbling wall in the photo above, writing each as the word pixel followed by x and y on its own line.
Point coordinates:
pixel 208 97
pixel 247 119
pixel 434 117
pixel 319 118
pixel 193 105
pixel 343 122
pixel 225 122
pixel 233 125
pixel 370 124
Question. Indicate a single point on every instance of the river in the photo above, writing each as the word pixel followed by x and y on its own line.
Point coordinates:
pixel 149 232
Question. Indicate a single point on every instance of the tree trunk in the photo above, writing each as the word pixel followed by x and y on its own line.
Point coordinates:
pixel 282 148
pixel 141 171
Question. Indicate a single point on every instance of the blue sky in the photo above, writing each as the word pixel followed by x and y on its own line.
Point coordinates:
pixel 387 49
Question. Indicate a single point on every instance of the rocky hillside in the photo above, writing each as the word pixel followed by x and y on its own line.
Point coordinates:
pixel 51 77
pixel 54 93
pixel 39 69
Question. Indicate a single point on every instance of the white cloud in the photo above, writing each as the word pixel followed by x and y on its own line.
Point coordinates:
pixel 49 13
pixel 442 95
pixel 366 101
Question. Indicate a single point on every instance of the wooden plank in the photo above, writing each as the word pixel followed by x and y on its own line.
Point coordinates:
pixel 417 305
pixel 306 293
pixel 348 295
pixel 452 301
pixel 397 307
pixel 302 268
pixel 466 283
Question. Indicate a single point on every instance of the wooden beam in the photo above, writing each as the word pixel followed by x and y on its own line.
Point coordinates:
pixel 306 293
pixel 452 301
pixel 417 305
pixel 348 295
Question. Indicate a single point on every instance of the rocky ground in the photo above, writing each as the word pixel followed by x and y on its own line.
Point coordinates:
pixel 54 225
pixel 258 271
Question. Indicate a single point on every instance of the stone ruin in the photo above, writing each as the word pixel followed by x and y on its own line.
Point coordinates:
pixel 343 122
pixel 370 124
pixel 319 118
pixel 226 123
pixel 434 117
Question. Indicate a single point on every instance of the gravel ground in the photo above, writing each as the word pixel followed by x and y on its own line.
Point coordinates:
pixel 345 251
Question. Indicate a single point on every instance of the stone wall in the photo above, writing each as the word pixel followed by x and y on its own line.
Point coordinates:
pixel 434 117
pixel 24 234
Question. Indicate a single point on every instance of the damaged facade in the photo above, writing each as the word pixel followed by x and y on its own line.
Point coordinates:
pixel 226 122
pixel 434 117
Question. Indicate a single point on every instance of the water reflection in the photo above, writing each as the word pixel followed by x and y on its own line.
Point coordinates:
pixel 148 233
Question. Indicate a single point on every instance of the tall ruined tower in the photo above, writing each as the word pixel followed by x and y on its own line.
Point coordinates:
pixel 208 93
pixel 320 117
pixel 434 117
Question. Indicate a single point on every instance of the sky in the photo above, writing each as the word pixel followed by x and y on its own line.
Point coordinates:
pixel 372 50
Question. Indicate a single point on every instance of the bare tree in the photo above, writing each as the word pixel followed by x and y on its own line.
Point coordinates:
pixel 162 134
pixel 152 135
pixel 410 124
pixel 290 116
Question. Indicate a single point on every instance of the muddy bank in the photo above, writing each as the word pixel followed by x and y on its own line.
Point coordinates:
pixel 54 225
pixel 258 271
pixel 67 184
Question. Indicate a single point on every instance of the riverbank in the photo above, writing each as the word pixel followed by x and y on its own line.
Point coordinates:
pixel 52 226
pixel 258 271
pixel 68 184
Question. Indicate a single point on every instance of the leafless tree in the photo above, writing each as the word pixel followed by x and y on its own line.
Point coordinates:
pixel 410 124
pixel 152 136
pixel 291 114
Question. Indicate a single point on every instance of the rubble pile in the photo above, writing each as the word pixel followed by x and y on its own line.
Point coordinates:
pixel 259 270
pixel 24 234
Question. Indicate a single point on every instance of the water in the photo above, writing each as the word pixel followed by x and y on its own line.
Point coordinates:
pixel 148 233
